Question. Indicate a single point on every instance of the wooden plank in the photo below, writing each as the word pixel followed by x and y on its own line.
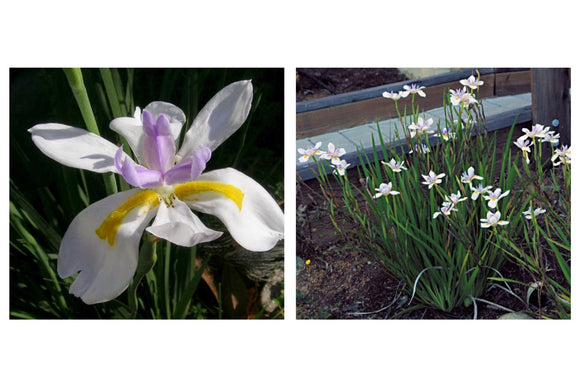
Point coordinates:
pixel 511 83
pixel 321 121
pixel 377 91
pixel 334 117
pixel 551 100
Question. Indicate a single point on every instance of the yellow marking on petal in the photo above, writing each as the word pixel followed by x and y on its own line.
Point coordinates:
pixel 146 199
pixel 192 188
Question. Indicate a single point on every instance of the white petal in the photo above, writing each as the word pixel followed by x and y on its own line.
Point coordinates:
pixel 131 128
pixel 105 270
pixel 219 118
pixel 175 114
pixel 179 225
pixel 75 147
pixel 258 225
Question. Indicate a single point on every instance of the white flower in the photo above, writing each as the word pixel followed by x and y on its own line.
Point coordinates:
pixel 469 176
pixel 552 137
pixel 422 126
pixel 537 211
pixel 524 144
pixel 494 196
pixel 309 152
pixel 563 155
pixel 446 209
pixel 471 82
pixel 413 89
pixel 333 154
pixel 479 190
pixel 392 95
pixel 340 168
pixel 396 166
pixel 454 198
pixel 461 96
pixel 492 220
pixel 536 131
pixel 446 134
pixel 432 179
pixel 421 148
pixel 385 190
pixel 102 242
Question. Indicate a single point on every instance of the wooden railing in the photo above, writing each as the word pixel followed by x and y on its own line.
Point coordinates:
pixel 356 108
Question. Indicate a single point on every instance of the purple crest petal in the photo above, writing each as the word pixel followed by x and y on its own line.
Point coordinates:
pixel 189 168
pixel 180 173
pixel 148 123
pixel 200 159
pixel 135 174
pixel 158 144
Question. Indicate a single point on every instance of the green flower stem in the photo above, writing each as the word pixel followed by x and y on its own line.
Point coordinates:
pixel 77 85
pixel 147 259
pixel 112 90
pixel 166 281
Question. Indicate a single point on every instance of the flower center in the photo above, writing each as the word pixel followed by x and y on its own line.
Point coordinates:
pixel 166 194
pixel 148 199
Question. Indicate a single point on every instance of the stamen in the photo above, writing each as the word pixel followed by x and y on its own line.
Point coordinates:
pixel 192 189
pixel 167 199
pixel 146 199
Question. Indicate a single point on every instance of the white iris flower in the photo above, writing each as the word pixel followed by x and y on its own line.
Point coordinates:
pixel 102 242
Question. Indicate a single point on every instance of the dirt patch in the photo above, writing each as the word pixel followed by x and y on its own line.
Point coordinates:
pixel 312 83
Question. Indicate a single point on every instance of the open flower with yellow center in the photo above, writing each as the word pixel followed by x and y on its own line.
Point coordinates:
pixel 471 82
pixel 492 220
pixel 102 242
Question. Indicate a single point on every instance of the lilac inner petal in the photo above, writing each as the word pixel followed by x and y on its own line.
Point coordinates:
pixel 200 158
pixel 135 174
pixel 180 173
pixel 189 168
pixel 158 145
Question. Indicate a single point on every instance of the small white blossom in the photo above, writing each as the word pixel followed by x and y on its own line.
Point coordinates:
pixel 471 82
pixel 432 179
pixel 446 209
pixel 454 198
pixel 479 190
pixel 469 176
pixel 552 137
pixel 536 131
pixel 563 155
pixel 385 190
pixel 446 134
pixel 494 196
pixel 492 220
pixel 524 144
pixel 396 166
pixel 421 148
pixel 413 89
pixel 461 96
pixel 340 168
pixel 392 95
pixel 422 126
pixel 333 154
pixel 537 211
pixel 310 152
